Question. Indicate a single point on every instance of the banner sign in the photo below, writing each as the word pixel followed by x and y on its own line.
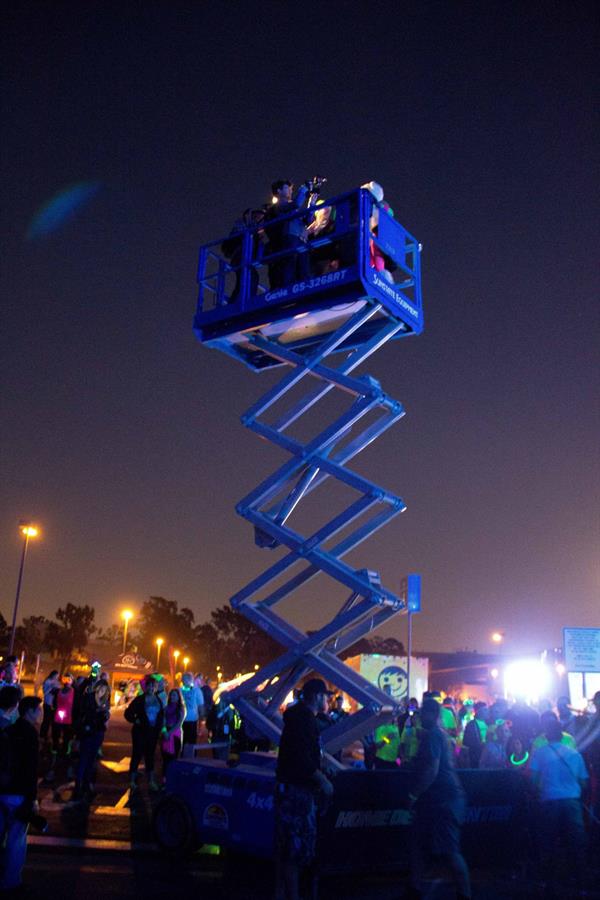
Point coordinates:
pixel 368 819
pixel 582 649
pixel 132 662
pixel 389 673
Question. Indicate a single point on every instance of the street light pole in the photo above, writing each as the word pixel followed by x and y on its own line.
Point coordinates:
pixel 126 615
pixel 27 531
pixel 159 643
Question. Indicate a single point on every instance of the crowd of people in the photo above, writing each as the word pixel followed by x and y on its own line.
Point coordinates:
pixel 486 736
pixel 554 749
pixel 63 730
pixel 553 752
pixel 172 716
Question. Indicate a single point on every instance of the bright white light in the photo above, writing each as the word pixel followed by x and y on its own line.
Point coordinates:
pixel 560 669
pixel 527 679
pixel 494 673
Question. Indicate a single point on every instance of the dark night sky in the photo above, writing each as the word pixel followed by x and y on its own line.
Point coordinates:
pixel 121 434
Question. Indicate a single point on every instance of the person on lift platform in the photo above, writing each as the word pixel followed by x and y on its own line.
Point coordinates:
pixel 290 235
pixel 232 248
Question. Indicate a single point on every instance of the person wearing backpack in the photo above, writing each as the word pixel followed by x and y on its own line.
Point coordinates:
pixel 559 774
pixel 18 800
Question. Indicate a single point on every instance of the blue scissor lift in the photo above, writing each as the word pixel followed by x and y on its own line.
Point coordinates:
pixel 321 327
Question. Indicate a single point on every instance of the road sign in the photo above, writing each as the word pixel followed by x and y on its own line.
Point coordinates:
pixel 410 590
pixel 582 649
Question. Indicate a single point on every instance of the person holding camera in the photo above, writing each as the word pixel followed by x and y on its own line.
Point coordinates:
pixel 18 801
pixel 290 235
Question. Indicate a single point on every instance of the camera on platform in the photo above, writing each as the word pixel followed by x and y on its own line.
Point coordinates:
pixel 315 184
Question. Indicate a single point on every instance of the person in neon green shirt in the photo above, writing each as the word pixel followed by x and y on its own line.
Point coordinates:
pixel 541 740
pixel 387 746
pixel 409 740
pixel 448 718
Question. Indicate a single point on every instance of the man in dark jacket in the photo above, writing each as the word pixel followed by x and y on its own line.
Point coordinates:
pixel 233 248
pixel 475 734
pixel 146 714
pixel 438 802
pixel 18 802
pixel 299 781
pixel 290 235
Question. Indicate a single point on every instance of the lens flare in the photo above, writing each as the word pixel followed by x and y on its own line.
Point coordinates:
pixel 61 208
pixel 527 679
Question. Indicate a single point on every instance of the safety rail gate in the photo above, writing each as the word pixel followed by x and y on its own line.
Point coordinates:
pixel 355 332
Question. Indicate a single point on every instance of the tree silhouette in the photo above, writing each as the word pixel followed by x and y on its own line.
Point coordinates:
pixel 77 624
pixel 111 635
pixel 240 644
pixel 162 618
pixel 31 634
pixel 4 633
pixel 206 650
pixel 385 646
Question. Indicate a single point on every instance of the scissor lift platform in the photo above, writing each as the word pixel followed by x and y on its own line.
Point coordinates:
pixel 236 302
pixel 364 290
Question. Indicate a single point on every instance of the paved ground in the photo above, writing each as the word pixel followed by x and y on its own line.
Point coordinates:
pixel 107 850
pixel 124 875
pixel 109 816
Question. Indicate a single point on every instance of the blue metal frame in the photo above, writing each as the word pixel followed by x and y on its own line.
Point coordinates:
pixel 383 312
pixel 224 321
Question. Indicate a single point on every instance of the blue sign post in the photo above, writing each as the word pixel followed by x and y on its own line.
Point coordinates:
pixel 410 591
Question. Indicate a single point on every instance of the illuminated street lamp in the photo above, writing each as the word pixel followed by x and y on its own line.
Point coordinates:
pixel 28 531
pixel 494 673
pixel 186 660
pixel 497 637
pixel 560 669
pixel 159 642
pixel 176 655
pixel 126 615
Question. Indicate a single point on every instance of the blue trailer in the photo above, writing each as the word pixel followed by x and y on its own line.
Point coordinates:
pixel 367 822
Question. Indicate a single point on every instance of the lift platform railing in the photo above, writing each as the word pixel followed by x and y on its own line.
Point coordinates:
pixel 344 232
